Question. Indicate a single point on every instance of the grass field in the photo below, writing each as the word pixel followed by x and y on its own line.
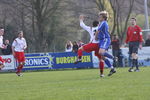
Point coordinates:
pixel 76 85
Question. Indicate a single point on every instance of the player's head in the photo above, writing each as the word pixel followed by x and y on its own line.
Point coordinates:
pixel 103 15
pixel 95 23
pixel 1 31
pixel 115 37
pixel 75 43
pixel 133 21
pixel 69 42
pixel 20 34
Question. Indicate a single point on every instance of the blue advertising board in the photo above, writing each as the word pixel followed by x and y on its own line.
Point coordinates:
pixel 143 57
pixel 56 61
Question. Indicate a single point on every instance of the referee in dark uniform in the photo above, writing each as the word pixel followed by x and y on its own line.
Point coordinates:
pixel 134 38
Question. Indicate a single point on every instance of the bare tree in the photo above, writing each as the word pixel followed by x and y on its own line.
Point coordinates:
pixel 121 16
pixel 121 13
pixel 42 11
pixel 100 4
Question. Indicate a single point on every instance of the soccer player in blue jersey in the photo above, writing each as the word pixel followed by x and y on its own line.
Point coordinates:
pixel 104 39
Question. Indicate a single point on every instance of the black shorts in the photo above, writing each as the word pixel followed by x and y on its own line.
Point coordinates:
pixel 133 47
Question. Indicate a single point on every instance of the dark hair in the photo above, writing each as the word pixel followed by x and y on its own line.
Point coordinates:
pixel 95 23
pixel 133 18
pixel 75 42
pixel 19 32
pixel 1 28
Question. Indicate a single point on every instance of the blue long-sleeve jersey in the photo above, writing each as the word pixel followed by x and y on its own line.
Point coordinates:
pixel 103 30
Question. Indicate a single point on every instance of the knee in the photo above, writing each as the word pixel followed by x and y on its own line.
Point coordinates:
pixel 134 56
pixel 98 56
pixel 21 63
pixel 101 51
pixel 101 60
pixel 81 48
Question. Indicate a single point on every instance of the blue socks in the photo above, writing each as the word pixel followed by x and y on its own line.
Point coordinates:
pixel 107 63
pixel 107 55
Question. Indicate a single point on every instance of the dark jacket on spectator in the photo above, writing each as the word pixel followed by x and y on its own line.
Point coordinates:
pixel 7 51
pixel 75 48
pixel 115 44
pixel 147 43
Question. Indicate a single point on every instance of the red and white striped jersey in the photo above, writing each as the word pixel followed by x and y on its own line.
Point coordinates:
pixel 19 44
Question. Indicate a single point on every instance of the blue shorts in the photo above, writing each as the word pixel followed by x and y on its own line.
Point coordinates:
pixel 105 43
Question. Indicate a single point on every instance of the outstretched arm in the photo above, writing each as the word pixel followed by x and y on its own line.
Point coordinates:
pixel 82 24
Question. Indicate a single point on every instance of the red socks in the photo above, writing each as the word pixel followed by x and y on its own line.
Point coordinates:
pixel 79 53
pixel 101 67
pixel 19 68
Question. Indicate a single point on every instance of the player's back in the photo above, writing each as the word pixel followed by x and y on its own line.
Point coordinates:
pixel 90 30
pixel 103 30
pixel 93 34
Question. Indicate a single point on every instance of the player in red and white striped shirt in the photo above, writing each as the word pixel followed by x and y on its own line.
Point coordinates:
pixel 2 62
pixel 18 47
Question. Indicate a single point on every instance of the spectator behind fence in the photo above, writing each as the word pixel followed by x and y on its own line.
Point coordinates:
pixel 147 42
pixel 75 47
pixel 115 48
pixel 68 47
pixel 80 43
pixel 8 49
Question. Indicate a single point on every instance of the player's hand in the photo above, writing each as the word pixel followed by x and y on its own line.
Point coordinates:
pixel 81 17
pixel 24 48
pixel 14 55
pixel 4 46
pixel 140 46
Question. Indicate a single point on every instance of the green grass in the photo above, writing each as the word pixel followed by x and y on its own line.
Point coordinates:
pixel 76 85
